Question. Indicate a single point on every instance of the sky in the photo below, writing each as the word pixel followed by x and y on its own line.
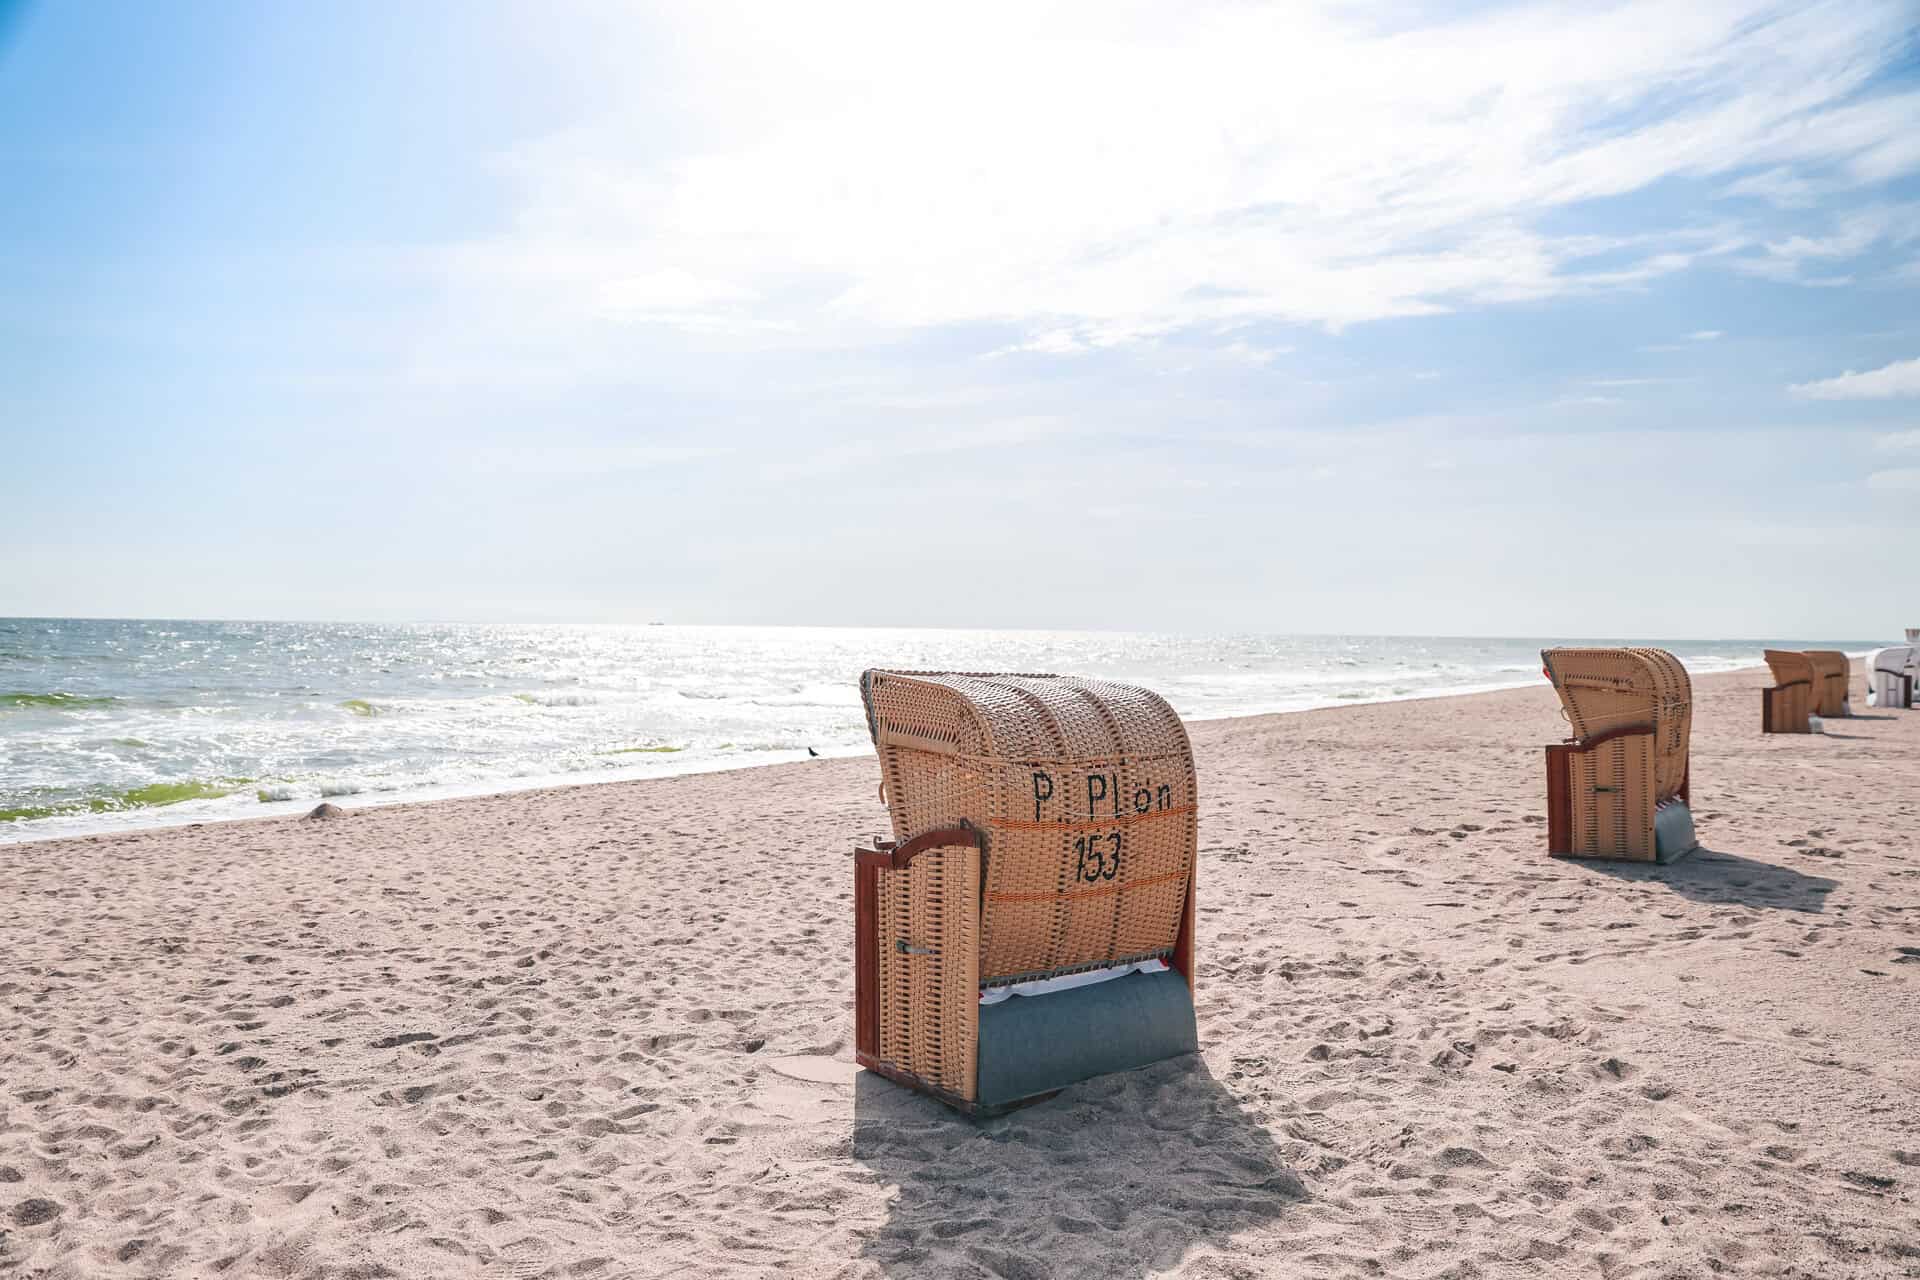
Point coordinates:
pixel 1481 319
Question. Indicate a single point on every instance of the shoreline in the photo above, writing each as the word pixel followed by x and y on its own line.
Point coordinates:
pixel 167 817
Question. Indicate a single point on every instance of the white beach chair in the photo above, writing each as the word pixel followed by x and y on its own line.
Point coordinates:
pixel 1890 675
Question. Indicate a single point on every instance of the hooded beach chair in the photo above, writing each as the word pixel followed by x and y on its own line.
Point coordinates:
pixel 1890 676
pixel 1619 787
pixel 1788 706
pixel 1030 923
pixel 1831 676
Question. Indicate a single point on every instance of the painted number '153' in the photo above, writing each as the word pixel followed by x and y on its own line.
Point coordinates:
pixel 1099 857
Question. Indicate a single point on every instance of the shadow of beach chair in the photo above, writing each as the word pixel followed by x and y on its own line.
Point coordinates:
pixel 1619 788
pixel 1831 677
pixel 1030 923
pixel 1788 706
pixel 1890 674
pixel 1145 1172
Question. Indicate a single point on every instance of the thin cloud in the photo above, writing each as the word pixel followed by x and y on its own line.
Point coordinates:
pixel 1705 335
pixel 1781 187
pixel 1787 259
pixel 1304 165
pixel 567 460
pixel 1898 441
pixel 1899 480
pixel 1901 378
pixel 899 446
pixel 1054 342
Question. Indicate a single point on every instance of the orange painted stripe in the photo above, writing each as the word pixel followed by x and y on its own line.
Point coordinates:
pixel 1070 764
pixel 1096 824
pixel 1101 892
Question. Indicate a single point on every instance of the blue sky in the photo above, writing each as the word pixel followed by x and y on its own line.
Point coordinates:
pixel 1519 320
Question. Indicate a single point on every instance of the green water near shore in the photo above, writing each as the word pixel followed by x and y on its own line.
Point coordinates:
pixel 152 796
pixel 56 701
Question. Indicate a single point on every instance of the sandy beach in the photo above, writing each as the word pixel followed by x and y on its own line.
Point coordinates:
pixel 606 1031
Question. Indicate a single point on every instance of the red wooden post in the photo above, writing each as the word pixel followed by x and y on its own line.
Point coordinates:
pixel 866 958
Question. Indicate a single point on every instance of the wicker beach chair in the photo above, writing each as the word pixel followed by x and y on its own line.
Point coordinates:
pixel 1030 923
pixel 1619 787
pixel 1830 670
pixel 1788 706
pixel 1890 673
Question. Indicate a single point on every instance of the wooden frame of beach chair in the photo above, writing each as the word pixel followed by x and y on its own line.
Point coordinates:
pixel 1788 706
pixel 1044 842
pixel 1890 677
pixel 1830 680
pixel 1620 787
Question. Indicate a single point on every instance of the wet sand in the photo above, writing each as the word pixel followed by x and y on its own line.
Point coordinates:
pixel 606 1031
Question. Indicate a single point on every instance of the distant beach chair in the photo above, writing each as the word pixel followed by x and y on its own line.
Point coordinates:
pixel 1788 706
pixel 1030 924
pixel 1830 670
pixel 1890 673
pixel 1619 788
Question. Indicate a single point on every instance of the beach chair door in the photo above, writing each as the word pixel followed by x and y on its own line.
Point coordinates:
pixel 1613 798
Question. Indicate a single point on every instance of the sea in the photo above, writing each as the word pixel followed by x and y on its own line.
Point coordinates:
pixel 111 724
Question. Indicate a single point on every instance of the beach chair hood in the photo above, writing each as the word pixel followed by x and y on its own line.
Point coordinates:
pixel 1083 778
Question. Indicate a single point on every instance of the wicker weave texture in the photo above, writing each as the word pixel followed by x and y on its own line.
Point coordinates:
pixel 1604 690
pixel 1796 692
pixel 929 968
pixel 1830 681
pixel 1085 790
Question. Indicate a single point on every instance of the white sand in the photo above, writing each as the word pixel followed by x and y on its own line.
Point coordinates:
pixel 605 1031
